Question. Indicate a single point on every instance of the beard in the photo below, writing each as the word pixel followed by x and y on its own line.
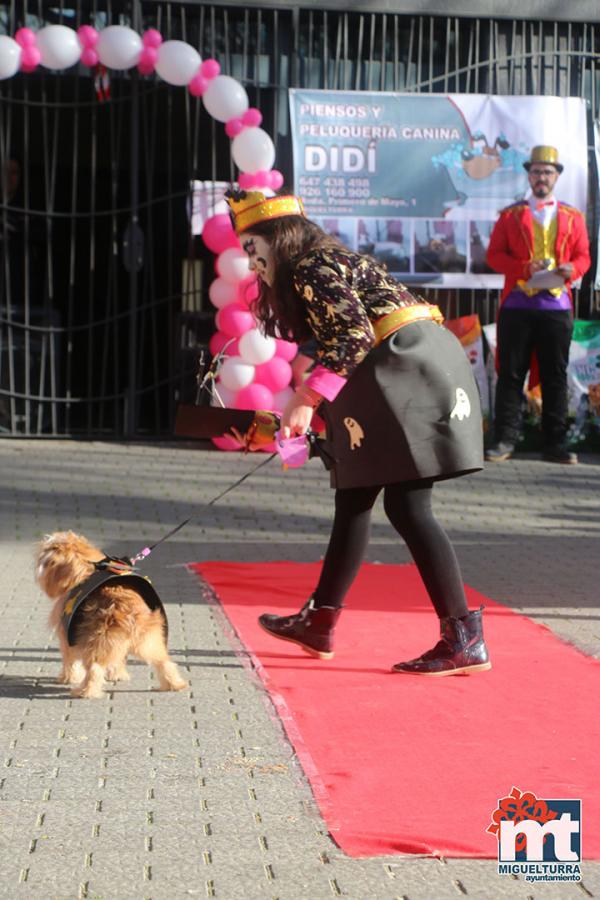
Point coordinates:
pixel 541 190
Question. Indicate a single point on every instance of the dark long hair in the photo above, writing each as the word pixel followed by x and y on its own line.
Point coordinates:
pixel 278 308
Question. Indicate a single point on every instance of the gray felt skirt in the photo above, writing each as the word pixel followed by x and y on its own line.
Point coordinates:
pixel 409 412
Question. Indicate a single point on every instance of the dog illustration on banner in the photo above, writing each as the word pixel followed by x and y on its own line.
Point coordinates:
pixel 482 160
pixel 103 611
pixel 485 176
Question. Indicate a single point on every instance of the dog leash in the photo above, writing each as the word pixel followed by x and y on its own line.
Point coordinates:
pixel 148 550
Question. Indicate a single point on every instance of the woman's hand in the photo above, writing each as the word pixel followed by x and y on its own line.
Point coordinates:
pixel 565 270
pixel 535 265
pixel 297 415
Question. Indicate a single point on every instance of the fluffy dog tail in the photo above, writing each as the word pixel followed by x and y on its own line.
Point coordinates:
pixel 107 625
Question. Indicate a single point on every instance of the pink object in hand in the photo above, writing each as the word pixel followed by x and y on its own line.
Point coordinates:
pixel 293 451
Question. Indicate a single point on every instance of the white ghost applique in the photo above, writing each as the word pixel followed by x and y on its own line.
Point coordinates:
pixel 462 407
pixel 355 432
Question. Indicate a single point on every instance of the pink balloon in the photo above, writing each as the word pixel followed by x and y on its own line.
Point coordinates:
pixel 152 38
pixel 148 60
pixel 234 127
pixel 25 37
pixel 89 57
pixel 219 340
pixel 197 85
pixel 246 180
pixel 210 68
pixel 226 443
pixel 254 396
pixel 218 233
pixel 88 36
pixel 234 319
pixel 285 349
pixel 248 291
pixel 274 179
pixel 275 374
pixel 30 58
pixel 252 117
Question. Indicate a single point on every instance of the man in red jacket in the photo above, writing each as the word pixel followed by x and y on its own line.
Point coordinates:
pixel 540 246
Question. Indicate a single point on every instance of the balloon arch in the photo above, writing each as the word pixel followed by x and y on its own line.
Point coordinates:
pixel 256 373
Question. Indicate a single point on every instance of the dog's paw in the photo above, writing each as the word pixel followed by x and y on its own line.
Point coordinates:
pixel 175 684
pixel 169 678
pixel 87 693
pixel 75 675
pixel 117 674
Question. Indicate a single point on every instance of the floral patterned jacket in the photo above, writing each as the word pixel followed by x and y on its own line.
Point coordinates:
pixel 344 293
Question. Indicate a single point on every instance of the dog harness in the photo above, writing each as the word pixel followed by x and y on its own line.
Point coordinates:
pixel 110 570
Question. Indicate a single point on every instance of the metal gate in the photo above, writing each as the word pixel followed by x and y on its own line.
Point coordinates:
pixel 103 288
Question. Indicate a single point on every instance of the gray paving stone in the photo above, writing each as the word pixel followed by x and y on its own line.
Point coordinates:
pixel 198 794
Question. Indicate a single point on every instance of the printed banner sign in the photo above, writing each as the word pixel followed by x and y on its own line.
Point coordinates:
pixel 418 180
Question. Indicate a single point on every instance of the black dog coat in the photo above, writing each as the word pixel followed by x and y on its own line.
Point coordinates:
pixel 128 578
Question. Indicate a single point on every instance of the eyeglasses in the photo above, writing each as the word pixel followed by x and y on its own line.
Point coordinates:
pixel 543 172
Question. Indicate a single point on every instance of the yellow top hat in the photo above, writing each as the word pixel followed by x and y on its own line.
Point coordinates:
pixel 543 154
pixel 249 207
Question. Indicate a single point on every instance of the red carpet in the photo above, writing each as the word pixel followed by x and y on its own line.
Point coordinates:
pixel 405 764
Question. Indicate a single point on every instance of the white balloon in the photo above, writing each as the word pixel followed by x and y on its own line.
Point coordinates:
pixel 233 265
pixel 256 348
pixel 227 396
pixel 222 292
pixel 253 150
pixel 236 374
pixel 59 46
pixel 225 98
pixel 177 62
pixel 119 47
pixel 281 400
pixel 10 57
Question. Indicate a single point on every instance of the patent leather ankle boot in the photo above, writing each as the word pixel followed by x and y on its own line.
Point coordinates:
pixel 461 649
pixel 312 628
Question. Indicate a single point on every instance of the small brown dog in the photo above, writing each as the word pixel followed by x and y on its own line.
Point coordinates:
pixel 113 621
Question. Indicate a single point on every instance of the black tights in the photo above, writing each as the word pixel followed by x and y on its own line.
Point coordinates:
pixel 409 510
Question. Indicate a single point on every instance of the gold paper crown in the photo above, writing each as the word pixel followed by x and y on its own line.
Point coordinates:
pixel 543 154
pixel 249 207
